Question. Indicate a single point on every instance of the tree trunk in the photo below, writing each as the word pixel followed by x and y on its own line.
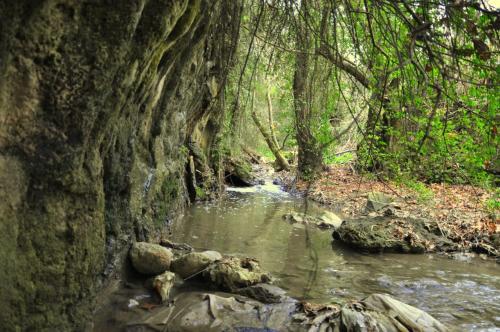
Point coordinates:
pixel 270 117
pixel 269 137
pixel 310 157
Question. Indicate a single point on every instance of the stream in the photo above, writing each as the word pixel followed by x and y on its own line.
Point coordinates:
pixel 463 293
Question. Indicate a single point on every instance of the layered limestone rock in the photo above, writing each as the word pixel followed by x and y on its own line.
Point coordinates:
pixel 97 101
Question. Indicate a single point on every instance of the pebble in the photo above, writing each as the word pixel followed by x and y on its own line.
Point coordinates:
pixel 132 303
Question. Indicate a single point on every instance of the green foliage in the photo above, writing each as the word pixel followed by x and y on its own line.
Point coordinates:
pixel 265 152
pixel 184 151
pixel 200 193
pixel 427 100
pixel 331 158
pixel 452 147
pixel 493 204
pixel 424 194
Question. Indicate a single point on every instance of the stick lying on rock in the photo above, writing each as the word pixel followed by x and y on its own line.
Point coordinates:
pixel 224 273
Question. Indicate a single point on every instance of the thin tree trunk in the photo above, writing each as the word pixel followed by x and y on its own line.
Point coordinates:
pixel 270 116
pixel 281 162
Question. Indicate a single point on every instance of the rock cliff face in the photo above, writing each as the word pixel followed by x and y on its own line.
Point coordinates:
pixel 98 100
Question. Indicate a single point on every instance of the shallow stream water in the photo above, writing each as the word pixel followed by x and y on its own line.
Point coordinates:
pixel 464 294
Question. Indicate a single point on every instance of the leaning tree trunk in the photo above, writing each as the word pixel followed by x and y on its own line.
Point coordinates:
pixel 310 155
pixel 270 117
pixel 270 138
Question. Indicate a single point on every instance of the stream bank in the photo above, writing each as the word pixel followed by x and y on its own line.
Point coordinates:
pixel 435 218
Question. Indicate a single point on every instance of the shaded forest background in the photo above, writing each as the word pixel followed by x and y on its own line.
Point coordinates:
pixel 398 89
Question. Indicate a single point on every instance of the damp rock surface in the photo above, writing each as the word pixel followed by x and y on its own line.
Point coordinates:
pixel 149 258
pixel 97 101
pixel 190 264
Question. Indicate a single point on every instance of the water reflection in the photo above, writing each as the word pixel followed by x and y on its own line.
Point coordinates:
pixel 249 223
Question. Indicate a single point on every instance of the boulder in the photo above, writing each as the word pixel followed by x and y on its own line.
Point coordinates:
pixel 278 182
pixel 232 273
pixel 391 234
pixel 377 201
pixel 274 311
pixel 163 283
pixel 190 264
pixel 150 259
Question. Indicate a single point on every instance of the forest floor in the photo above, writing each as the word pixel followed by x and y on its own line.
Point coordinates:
pixel 460 210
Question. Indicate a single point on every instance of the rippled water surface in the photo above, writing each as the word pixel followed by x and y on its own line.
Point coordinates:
pixel 461 293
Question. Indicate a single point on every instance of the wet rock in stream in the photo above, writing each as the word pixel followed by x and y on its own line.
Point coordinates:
pixel 253 304
pixel 393 234
pixel 238 172
pixel 192 263
pixel 325 220
pixel 232 273
pixel 149 258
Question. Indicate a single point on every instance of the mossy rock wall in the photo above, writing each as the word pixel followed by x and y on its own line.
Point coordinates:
pixel 97 99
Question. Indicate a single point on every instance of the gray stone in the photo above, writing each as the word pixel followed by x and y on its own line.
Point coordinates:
pixel 195 311
pixel 151 259
pixel 392 234
pixel 377 201
pixel 326 219
pixel 190 264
